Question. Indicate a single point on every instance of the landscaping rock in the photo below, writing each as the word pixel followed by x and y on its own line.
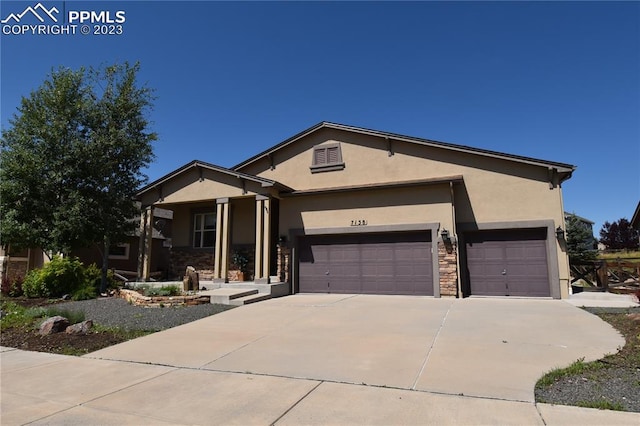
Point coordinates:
pixel 80 328
pixel 52 325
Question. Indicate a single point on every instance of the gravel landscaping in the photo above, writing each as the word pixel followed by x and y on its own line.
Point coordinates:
pixel 116 312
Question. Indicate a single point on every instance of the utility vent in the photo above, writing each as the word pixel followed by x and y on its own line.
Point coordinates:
pixel 327 158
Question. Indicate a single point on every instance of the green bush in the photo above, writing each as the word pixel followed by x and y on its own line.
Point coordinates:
pixel 59 277
pixel 165 290
pixel 93 276
pixel 85 293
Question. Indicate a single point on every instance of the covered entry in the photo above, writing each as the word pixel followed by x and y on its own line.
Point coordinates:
pixel 507 263
pixel 389 263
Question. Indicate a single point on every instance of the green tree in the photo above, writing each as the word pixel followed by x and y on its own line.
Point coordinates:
pixel 72 161
pixel 619 235
pixel 580 240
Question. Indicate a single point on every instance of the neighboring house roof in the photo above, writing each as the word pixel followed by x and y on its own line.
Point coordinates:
pixel 580 218
pixel 564 169
pixel 265 183
pixel 635 220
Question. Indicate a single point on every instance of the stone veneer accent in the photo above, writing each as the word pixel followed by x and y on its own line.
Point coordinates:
pixel 447 263
pixel 283 263
pixel 201 260
pixel 16 268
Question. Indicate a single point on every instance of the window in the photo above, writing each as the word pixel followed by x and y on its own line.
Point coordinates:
pixel 327 158
pixel 119 252
pixel 204 230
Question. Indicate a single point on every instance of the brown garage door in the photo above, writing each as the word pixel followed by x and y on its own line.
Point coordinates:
pixel 507 263
pixel 396 263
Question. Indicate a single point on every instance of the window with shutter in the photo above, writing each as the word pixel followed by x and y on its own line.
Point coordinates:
pixel 327 158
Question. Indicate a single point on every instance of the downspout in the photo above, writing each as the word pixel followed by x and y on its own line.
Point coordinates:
pixel 455 235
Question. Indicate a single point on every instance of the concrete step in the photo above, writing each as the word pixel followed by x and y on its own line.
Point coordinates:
pixel 224 296
pixel 250 299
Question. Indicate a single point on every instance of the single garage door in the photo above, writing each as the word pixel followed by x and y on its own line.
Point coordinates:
pixel 507 263
pixel 394 263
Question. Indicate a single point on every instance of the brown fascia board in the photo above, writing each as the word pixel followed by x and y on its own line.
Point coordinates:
pixel 265 183
pixel 563 168
pixel 385 185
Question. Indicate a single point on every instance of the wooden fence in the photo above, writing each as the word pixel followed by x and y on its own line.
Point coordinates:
pixel 608 273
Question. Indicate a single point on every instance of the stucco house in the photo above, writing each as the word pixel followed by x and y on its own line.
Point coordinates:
pixel 343 209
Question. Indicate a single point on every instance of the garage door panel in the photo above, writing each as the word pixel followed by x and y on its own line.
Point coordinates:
pixel 396 263
pixel 508 263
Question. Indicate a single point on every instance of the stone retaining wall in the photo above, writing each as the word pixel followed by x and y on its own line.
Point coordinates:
pixel 138 299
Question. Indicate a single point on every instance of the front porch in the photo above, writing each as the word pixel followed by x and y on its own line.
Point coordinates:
pixel 223 223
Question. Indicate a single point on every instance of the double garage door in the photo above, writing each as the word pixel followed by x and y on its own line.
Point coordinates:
pixel 392 263
pixel 507 263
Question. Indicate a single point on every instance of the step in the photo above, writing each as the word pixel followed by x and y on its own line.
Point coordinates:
pixel 250 299
pixel 224 296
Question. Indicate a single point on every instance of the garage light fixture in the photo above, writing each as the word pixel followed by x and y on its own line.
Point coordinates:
pixel 560 233
pixel 446 238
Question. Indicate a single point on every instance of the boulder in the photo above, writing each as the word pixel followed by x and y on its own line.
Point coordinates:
pixel 52 325
pixel 80 328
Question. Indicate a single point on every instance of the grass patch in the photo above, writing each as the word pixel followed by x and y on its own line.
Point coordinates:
pixel 165 290
pixel 14 315
pixel 578 367
pixel 121 333
pixel 601 405
pixel 620 255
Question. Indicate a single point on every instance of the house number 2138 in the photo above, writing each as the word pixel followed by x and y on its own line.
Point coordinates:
pixel 359 222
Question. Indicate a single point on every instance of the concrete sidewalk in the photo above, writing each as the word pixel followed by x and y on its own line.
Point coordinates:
pixel 323 359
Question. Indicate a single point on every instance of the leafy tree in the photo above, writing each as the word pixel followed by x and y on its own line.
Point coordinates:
pixel 72 158
pixel 619 235
pixel 580 241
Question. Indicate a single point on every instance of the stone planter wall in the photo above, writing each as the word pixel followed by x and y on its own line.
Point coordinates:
pixel 138 299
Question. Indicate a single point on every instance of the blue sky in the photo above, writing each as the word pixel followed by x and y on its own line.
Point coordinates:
pixel 558 81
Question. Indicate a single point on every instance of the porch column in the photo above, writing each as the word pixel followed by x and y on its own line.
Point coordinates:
pixel 223 234
pixel 258 253
pixel 146 242
pixel 263 239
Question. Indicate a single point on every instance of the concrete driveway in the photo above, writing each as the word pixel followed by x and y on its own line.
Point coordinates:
pixel 323 359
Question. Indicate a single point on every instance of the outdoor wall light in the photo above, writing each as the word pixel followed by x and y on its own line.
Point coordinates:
pixel 445 236
pixel 282 239
pixel 559 233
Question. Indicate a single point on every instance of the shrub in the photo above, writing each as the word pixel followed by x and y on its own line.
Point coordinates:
pixel 58 277
pixel 85 293
pixel 93 276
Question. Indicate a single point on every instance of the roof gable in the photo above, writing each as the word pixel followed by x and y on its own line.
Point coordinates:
pixel 565 170
pixel 202 166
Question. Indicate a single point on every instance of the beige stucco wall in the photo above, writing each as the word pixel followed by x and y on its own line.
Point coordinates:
pixel 399 206
pixel 188 187
pixel 243 220
pixel 497 189
pixel 182 229
pixel 494 190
